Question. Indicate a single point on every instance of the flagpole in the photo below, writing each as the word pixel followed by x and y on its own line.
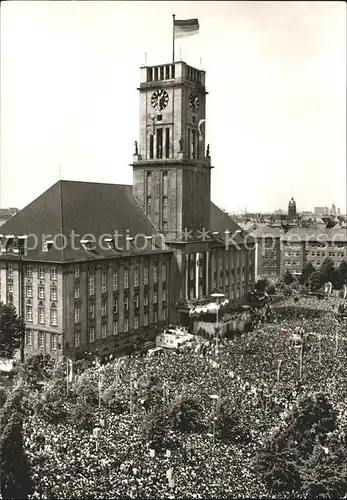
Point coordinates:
pixel 67 376
pixel 173 37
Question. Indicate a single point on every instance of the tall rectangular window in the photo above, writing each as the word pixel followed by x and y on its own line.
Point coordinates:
pixel 77 312
pixel 54 294
pixel 53 341
pixel 29 314
pixel 194 144
pixel 115 281
pixel 54 317
pixel 165 213
pixel 77 271
pixel 91 310
pixel 104 308
pixel 145 275
pixel 29 291
pixel 77 339
pixel 126 325
pixel 155 273
pixel 189 144
pixel 91 333
pixel 91 284
pixel 159 143
pixel 53 273
pixel 29 272
pixel 41 315
pixel 136 276
pixel 115 305
pixel 151 147
pixel 115 328
pixel 126 279
pixel 103 282
pixel 41 273
pixel 167 143
pixel 41 292
pixel 165 182
pixel 149 182
pixel 104 330
pixel 41 339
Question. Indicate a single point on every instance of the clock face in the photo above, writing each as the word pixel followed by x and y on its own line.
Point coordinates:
pixel 159 100
pixel 194 102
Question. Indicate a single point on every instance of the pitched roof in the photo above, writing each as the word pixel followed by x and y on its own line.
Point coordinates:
pixel 70 211
pixel 221 221
pixel 316 234
pixel 267 232
pixel 82 208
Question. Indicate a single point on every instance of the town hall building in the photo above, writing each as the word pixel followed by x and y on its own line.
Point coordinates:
pixel 92 266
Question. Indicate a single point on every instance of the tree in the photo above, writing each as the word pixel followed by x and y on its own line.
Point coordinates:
pixel 311 419
pixel 306 272
pixel 324 475
pixel 261 285
pixel 340 275
pixel 185 414
pixel 32 371
pixel 327 269
pixel 154 429
pixel 14 466
pixel 228 421
pixel 81 415
pixel 316 280
pixel 286 454
pixel 288 277
pixel 12 331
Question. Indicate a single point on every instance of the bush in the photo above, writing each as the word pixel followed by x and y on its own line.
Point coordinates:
pixel 154 429
pixel 3 396
pixel 14 466
pixel 52 411
pixel 86 388
pixel 111 399
pixel 81 416
pixel 185 414
pixel 229 423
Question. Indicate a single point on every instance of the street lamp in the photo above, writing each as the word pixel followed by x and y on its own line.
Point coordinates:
pixel 217 296
pixel 214 397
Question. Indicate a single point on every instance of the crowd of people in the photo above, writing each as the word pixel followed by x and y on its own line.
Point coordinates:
pixel 260 372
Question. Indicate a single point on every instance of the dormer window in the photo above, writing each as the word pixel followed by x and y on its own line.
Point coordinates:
pixel 47 245
pixel 87 244
pixel 110 243
pixel 149 240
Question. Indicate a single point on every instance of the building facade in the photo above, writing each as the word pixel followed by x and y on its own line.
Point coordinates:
pixel 268 251
pixel 301 246
pixel 113 264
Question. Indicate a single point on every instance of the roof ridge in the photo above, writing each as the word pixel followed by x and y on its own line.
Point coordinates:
pixel 61 216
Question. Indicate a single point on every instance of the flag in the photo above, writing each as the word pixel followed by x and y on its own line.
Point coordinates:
pixel 188 27
pixel 69 370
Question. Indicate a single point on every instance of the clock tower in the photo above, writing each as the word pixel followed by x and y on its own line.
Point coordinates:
pixel 172 170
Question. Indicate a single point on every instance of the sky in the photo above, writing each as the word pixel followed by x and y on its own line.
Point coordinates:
pixel 276 108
